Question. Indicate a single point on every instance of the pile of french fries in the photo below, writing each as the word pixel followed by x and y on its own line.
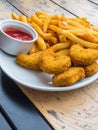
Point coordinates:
pixel 54 29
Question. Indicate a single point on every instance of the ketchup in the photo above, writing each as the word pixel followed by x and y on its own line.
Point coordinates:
pixel 17 34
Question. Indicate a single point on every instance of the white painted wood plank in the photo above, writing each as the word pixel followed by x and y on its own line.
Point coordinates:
pixel 95 1
pixel 30 6
pixel 73 110
pixel 82 8
pixel 6 9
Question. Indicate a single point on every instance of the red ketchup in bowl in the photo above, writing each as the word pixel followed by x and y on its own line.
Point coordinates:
pixel 18 34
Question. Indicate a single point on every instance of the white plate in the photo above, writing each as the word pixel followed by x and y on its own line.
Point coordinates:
pixel 35 79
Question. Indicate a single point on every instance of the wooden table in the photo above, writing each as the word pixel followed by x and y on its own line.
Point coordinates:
pixel 71 110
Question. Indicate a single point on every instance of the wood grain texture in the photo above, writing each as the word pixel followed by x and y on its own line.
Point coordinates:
pixel 30 6
pixel 71 110
pixel 94 1
pixel 6 9
pixel 82 8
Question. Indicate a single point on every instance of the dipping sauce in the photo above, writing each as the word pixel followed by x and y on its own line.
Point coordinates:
pixel 18 34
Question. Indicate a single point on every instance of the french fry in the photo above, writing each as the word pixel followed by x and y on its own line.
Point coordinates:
pixel 61 46
pixel 64 25
pixel 62 38
pixel 93 32
pixel 47 45
pixel 38 29
pixel 41 16
pixel 53 22
pixel 82 21
pixel 36 20
pixel 23 18
pixel 84 43
pixel 54 40
pixel 41 13
pixel 76 32
pixel 63 51
pixel 29 20
pixel 89 37
pixel 15 17
pixel 58 17
pixel 46 23
pixel 79 19
pixel 75 24
pixel 41 43
pixel 52 32
pixel 56 28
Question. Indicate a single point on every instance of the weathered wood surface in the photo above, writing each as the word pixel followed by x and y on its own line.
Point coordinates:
pixel 30 6
pixel 81 8
pixel 94 1
pixel 6 9
pixel 71 110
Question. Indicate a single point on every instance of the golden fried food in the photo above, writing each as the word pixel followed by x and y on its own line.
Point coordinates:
pixel 69 77
pixel 35 48
pixel 91 69
pixel 41 43
pixel 62 43
pixel 81 56
pixel 29 61
pixel 62 52
pixel 57 28
pixel 52 63
pixel 82 42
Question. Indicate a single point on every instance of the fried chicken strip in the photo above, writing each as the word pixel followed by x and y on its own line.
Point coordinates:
pixel 69 77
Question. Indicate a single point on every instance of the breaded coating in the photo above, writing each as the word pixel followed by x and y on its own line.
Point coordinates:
pixel 91 69
pixel 35 48
pixel 53 63
pixel 69 77
pixel 29 61
pixel 62 52
pixel 81 56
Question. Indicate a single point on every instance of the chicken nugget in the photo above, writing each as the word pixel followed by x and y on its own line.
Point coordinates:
pixel 69 77
pixel 82 56
pixel 53 62
pixel 29 61
pixel 91 69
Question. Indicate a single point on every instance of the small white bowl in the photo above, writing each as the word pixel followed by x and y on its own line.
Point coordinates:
pixel 12 45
